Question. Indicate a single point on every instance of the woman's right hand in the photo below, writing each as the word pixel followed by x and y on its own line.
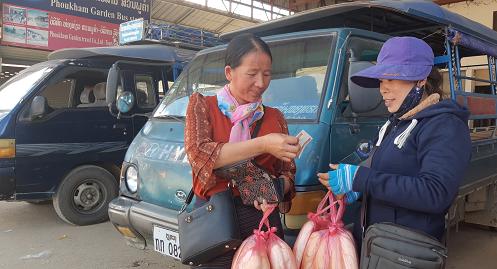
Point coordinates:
pixel 281 146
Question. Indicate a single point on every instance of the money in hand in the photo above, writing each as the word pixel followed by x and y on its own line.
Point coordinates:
pixel 304 139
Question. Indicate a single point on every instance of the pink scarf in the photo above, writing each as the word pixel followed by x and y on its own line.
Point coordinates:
pixel 242 116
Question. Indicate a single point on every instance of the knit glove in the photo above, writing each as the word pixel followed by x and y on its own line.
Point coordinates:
pixel 351 197
pixel 341 181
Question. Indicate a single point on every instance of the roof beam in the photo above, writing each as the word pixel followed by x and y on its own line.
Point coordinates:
pixel 278 3
pixel 184 16
pixel 224 25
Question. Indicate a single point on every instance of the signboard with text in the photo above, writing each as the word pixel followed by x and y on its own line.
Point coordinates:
pixel 56 24
pixel 131 31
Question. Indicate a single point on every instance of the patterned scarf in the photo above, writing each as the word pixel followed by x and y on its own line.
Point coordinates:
pixel 242 116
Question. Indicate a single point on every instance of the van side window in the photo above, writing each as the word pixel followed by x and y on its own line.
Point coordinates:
pixel 299 72
pixel 145 92
pixel 90 88
pixel 298 78
pixel 80 87
pixel 58 95
pixel 361 53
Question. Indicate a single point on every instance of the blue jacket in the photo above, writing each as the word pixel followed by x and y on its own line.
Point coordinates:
pixel 415 185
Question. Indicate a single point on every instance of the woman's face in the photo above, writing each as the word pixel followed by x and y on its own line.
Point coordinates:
pixel 250 79
pixel 394 92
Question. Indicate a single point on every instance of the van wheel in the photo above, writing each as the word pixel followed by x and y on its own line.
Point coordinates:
pixel 84 195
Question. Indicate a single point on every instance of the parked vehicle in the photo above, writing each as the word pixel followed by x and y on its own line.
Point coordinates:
pixel 57 137
pixel 314 54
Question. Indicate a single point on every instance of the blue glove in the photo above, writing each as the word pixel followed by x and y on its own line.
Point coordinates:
pixel 351 197
pixel 342 178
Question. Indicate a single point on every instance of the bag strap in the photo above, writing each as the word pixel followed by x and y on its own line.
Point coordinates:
pixel 364 206
pixel 258 125
pixel 265 218
pixel 257 128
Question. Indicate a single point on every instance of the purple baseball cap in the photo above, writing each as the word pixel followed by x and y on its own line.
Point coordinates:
pixel 400 58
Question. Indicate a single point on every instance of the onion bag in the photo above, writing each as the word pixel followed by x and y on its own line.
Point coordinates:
pixel 332 247
pixel 280 254
pixel 264 250
pixel 252 254
pixel 316 221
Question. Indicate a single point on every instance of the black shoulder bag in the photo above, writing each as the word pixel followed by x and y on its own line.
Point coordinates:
pixel 211 230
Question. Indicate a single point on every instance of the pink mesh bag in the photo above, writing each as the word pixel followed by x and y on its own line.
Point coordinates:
pixel 332 246
pixel 264 250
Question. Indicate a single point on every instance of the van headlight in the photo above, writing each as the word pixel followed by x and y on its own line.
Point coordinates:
pixel 7 148
pixel 131 179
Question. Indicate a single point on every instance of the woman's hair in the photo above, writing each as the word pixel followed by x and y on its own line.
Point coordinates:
pixel 242 45
pixel 434 83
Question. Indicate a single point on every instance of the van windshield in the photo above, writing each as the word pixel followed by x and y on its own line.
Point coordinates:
pixel 12 91
pixel 298 78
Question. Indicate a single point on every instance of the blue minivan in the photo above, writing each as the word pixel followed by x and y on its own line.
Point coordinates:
pixel 156 175
pixel 314 54
pixel 57 138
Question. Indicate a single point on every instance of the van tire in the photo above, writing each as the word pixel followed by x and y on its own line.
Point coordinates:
pixel 83 197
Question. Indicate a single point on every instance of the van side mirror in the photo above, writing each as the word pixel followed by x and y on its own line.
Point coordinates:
pixel 111 86
pixel 125 101
pixel 39 107
pixel 362 99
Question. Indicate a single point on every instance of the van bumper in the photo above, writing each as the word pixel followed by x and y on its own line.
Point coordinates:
pixel 135 220
pixel 7 183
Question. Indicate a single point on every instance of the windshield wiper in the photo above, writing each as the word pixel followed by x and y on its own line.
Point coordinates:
pixel 171 117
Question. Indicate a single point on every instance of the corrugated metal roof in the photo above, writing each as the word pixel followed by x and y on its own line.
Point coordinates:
pixel 198 16
pixel 302 5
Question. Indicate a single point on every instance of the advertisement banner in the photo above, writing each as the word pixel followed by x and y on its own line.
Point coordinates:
pixel 113 11
pixel 89 23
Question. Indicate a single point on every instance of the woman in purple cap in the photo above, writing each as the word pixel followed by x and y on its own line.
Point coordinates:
pixel 422 151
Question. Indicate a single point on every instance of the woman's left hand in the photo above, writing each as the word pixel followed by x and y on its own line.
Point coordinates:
pixel 340 180
pixel 324 177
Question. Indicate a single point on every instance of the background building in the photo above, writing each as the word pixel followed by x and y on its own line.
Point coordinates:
pixel 32 29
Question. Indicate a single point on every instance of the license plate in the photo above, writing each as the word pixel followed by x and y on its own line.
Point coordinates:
pixel 166 242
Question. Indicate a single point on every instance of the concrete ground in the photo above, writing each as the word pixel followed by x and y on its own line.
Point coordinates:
pixel 472 247
pixel 32 236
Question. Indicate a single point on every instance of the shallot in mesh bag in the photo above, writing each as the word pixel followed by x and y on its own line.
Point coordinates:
pixel 264 250
pixel 332 247
pixel 316 221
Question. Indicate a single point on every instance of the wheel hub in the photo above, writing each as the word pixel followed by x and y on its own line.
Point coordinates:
pixel 87 195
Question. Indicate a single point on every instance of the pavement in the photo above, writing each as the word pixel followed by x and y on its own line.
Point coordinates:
pixel 32 236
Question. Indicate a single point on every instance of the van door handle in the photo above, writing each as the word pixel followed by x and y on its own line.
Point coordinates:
pixel 121 126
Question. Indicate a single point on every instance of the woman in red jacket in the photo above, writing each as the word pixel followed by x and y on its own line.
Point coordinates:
pixel 218 133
